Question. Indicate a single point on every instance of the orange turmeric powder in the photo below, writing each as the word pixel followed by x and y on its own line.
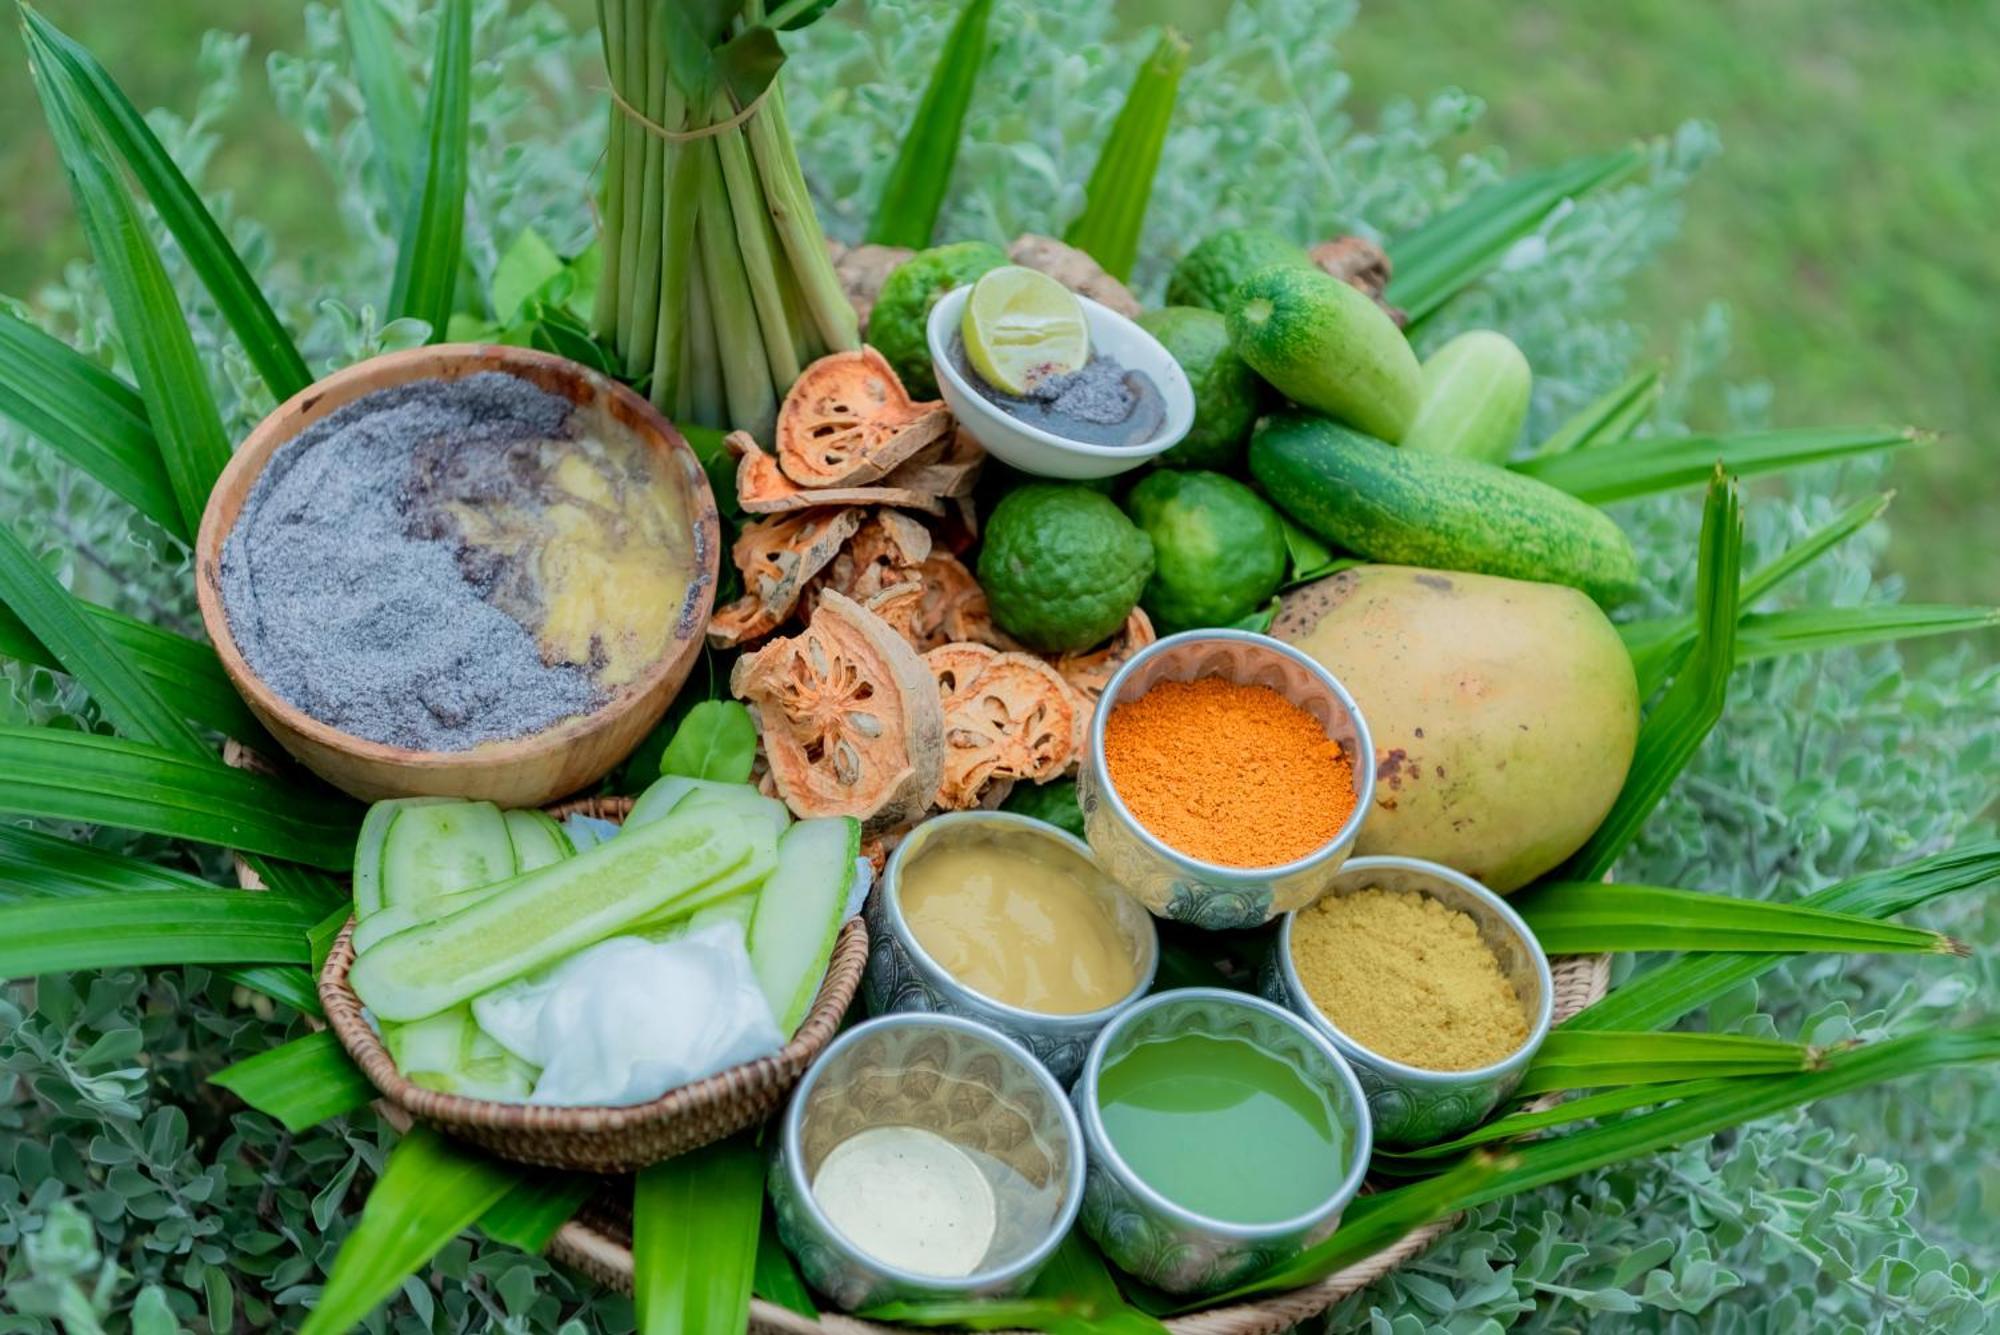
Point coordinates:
pixel 1227 773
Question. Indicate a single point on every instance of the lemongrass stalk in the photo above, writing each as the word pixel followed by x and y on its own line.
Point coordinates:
pixel 673 312
pixel 701 400
pixel 631 84
pixel 611 220
pixel 665 106
pixel 798 226
pixel 746 371
pixel 745 201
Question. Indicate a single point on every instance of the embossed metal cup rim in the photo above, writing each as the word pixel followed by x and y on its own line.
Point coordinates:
pixel 1220 872
pixel 1497 910
pixel 946 981
pixel 943 1286
pixel 1106 1153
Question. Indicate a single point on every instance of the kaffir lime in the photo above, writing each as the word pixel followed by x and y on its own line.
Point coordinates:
pixel 1062 566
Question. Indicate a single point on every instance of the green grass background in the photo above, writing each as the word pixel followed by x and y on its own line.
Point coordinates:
pixel 1849 224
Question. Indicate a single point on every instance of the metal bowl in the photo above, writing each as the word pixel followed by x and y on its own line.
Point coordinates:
pixel 1176 1249
pixel 902 976
pixel 1186 889
pixel 1413 1106
pixel 976 1088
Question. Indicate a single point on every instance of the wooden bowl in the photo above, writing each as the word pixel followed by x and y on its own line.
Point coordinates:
pixel 523 771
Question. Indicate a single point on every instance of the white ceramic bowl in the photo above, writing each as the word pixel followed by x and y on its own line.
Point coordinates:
pixel 1043 453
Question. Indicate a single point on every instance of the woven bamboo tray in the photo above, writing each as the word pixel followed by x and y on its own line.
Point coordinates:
pixel 599 1241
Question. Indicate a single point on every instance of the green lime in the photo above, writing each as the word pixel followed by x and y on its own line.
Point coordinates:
pixel 1225 388
pixel 896 323
pixel 1218 549
pixel 1020 326
pixel 1054 802
pixel 1208 274
pixel 1062 566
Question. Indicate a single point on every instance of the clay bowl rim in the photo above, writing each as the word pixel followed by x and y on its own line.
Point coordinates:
pixel 450 361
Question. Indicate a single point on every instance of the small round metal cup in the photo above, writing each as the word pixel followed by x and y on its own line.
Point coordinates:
pixel 902 976
pixel 1186 889
pixel 1166 1245
pixel 1413 1106
pixel 978 1089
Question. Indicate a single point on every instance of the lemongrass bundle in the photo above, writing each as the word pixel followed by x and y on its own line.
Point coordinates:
pixel 717 284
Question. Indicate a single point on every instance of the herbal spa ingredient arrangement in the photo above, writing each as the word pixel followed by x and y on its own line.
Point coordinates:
pixel 913 783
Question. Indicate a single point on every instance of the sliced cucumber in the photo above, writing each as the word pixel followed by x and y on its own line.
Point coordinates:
pixel 738 908
pixel 799 912
pixel 450 1053
pixel 738 884
pixel 546 915
pixel 658 799
pixel 538 840
pixel 444 847
pixel 737 797
pixel 368 849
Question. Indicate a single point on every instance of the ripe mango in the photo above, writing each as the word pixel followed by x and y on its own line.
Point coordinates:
pixel 1503 712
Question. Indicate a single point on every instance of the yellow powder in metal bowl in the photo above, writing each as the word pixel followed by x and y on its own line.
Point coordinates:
pixel 1408 978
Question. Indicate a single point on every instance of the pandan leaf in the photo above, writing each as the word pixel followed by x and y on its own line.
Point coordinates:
pixel 1456 248
pixel 286 984
pixel 430 1191
pixel 1815 629
pixel 34 865
pixel 208 251
pixel 1586 917
pixel 907 212
pixel 1074 1295
pixel 98 780
pixel 1603 474
pixel 1121 184
pixel 1664 995
pixel 89 416
pixel 532 1213
pixel 1682 719
pixel 695 1221
pixel 105 930
pixel 1586 1107
pixel 151 324
pixel 58 621
pixel 1602 1058
pixel 388 98
pixel 301 1083
pixel 433 239
pixel 290 878
pixel 777 1279
pixel 1609 418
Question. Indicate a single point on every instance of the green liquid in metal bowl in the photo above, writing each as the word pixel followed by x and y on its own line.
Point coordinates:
pixel 1221 1127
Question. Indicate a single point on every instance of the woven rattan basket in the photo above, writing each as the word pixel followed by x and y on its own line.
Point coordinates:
pixel 599 1241
pixel 602 1140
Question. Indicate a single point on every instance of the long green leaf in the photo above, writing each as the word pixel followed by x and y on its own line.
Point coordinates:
pixel 1447 254
pixel 1609 418
pixel 301 1083
pixel 694 1239
pixel 151 324
pixel 87 415
pixel 109 930
pixel 777 1279
pixel 34 865
pixel 430 1191
pixel 1664 995
pixel 1074 1295
pixel 434 225
pixel 284 983
pixel 1603 474
pixel 76 640
pixel 1121 184
pixel 1514 1126
pixel 1586 917
pixel 97 780
pixel 1677 726
pixel 1601 1058
pixel 532 1213
pixel 907 212
pixel 183 672
pixel 208 251
pixel 1806 630
pixel 388 98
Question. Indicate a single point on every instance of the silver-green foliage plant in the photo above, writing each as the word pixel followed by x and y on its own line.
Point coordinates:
pixel 135 1197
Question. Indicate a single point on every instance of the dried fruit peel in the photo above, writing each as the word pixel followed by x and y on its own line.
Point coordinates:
pixel 763 489
pixel 848 421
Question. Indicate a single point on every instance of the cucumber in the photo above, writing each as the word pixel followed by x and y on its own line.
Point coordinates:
pixel 542 916
pixel 658 799
pixel 1475 398
pixel 799 912
pixel 441 848
pixel 1327 346
pixel 1402 507
pixel 368 849
pixel 740 798
pixel 450 1053
pixel 538 840
pixel 738 909
pixel 742 881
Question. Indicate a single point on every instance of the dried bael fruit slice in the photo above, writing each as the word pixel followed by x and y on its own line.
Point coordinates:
pixel 763 489
pixel 1006 717
pixel 948 468
pixel 777 557
pixel 1090 672
pixel 848 421
pixel 850 718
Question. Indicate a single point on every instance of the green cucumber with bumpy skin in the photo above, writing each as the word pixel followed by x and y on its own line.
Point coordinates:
pixel 1328 347
pixel 542 916
pixel 1475 398
pixel 1404 507
pixel 799 912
